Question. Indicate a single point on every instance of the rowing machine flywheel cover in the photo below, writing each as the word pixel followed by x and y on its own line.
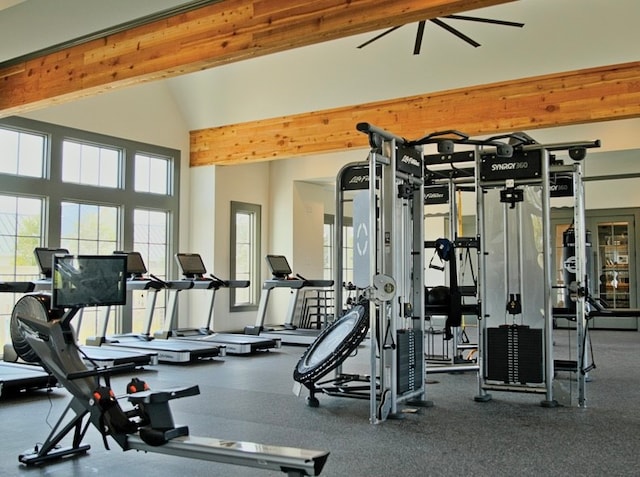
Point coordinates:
pixel 37 305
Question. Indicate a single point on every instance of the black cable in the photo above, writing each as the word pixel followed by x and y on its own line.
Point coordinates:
pixel 586 369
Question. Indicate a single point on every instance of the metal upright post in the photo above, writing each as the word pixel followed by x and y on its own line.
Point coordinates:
pixel 375 310
pixel 482 395
pixel 548 296
pixel 581 274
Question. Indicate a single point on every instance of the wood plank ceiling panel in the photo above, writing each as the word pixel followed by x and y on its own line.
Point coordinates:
pixel 575 97
pixel 218 33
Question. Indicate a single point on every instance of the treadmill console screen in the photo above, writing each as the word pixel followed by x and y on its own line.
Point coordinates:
pixel 191 264
pixel 135 264
pixel 279 266
pixel 88 280
pixel 44 257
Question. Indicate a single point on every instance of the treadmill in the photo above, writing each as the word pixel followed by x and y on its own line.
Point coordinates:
pixel 19 377
pixel 288 332
pixel 194 271
pixel 169 350
pixel 93 353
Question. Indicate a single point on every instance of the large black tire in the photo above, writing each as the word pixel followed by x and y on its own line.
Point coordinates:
pixel 334 344
pixel 36 305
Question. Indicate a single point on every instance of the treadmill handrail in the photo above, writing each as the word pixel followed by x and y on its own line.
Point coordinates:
pixel 144 284
pixel 295 283
pixel 17 287
pixel 179 284
pixel 231 283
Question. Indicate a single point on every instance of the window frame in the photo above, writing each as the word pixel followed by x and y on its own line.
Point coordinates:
pixel 255 210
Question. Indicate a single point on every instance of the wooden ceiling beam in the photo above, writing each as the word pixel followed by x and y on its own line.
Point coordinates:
pixel 574 97
pixel 212 35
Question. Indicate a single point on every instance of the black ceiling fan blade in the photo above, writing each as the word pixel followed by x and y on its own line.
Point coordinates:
pixel 377 37
pixel 419 35
pixel 485 20
pixel 457 33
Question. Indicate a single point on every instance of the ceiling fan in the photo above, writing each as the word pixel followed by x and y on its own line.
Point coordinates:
pixel 421 24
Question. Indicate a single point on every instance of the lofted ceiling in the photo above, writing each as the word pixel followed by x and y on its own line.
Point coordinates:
pixel 558 36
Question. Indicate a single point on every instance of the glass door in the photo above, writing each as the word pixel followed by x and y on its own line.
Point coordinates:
pixel 613 264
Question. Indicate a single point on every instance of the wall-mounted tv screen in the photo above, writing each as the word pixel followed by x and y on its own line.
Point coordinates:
pixel 191 264
pixel 88 280
pixel 44 257
pixel 279 265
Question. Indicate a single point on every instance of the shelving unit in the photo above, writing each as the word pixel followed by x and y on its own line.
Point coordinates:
pixel 316 308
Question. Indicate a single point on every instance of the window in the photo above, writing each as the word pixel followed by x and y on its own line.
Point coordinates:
pixel 88 228
pixel 150 239
pixel 63 187
pixel 90 165
pixel 152 174
pixel 329 248
pixel 150 234
pixel 347 257
pixel 20 233
pixel 21 153
pixel 245 250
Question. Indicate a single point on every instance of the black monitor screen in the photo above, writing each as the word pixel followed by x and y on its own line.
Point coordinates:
pixel 135 264
pixel 279 265
pixel 44 257
pixel 191 264
pixel 88 280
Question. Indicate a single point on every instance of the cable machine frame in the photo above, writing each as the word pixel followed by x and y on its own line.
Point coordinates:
pixel 392 238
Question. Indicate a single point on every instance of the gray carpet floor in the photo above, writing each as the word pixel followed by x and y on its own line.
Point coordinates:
pixel 252 399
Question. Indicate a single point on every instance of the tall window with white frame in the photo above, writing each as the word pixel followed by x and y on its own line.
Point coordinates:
pixel 329 248
pixel 150 237
pixel 22 158
pixel 20 234
pixel 90 228
pixel 244 253
pixel 153 176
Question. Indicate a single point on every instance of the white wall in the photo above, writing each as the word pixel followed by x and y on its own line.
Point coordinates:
pixel 612 193
pixel 308 225
pixel 297 215
pixel 242 183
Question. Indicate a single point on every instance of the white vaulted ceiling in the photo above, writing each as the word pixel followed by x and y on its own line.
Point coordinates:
pixel 559 35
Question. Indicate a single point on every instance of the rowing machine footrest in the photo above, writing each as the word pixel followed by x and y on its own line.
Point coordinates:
pixel 163 395
pixel 154 409
pixel 158 437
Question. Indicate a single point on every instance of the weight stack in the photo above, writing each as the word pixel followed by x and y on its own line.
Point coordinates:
pixel 514 354
pixel 410 346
